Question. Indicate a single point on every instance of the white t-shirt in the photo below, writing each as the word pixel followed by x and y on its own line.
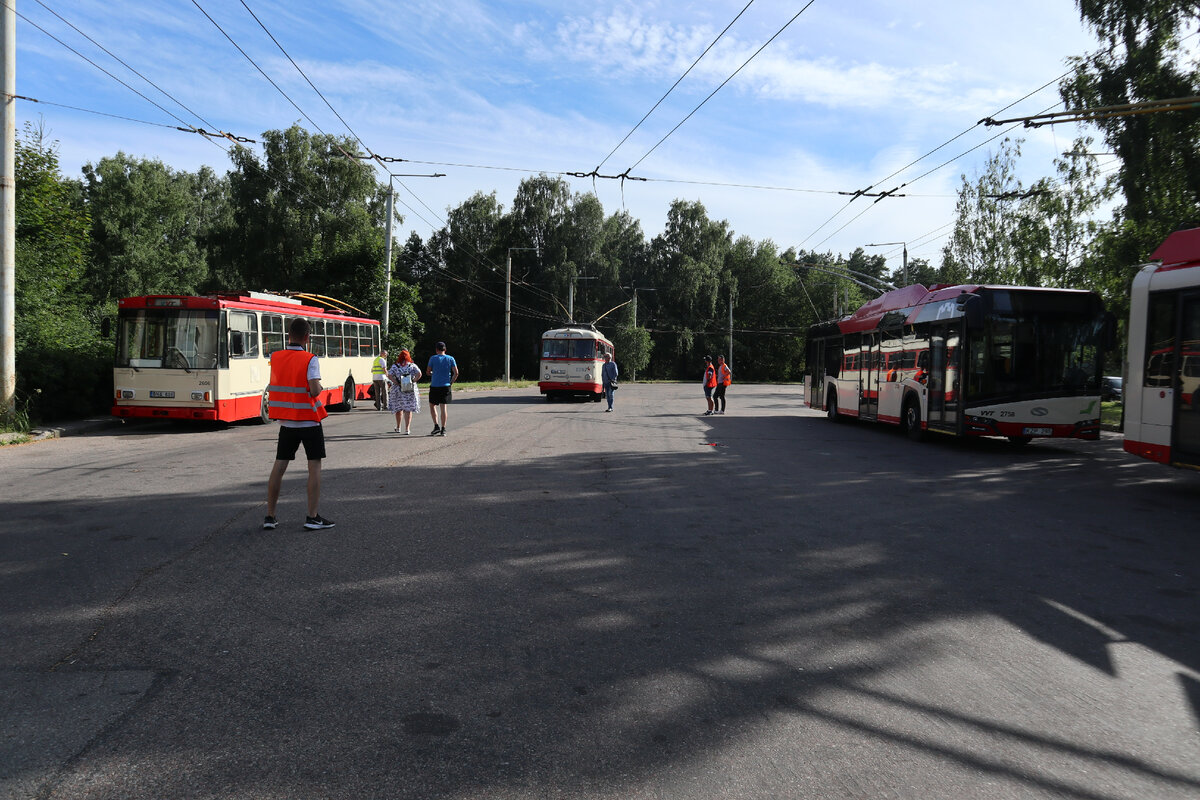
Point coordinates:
pixel 314 374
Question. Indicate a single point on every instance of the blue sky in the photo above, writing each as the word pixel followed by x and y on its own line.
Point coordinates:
pixel 850 92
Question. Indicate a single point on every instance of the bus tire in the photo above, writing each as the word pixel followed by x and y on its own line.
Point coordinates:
pixel 598 396
pixel 348 392
pixel 831 406
pixel 1020 441
pixel 910 420
pixel 264 414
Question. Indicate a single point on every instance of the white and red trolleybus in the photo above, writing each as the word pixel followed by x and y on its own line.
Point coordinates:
pixel 1008 361
pixel 208 358
pixel 571 360
pixel 1162 387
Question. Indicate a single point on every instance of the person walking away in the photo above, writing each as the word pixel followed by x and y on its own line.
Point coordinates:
pixel 443 372
pixel 724 378
pixel 379 380
pixel 404 398
pixel 608 378
pixel 292 400
pixel 710 383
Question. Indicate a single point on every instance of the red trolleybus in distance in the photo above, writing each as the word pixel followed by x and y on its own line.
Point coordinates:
pixel 1010 361
pixel 208 358
pixel 1162 384
pixel 571 361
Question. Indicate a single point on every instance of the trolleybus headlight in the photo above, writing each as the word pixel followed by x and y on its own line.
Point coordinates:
pixel 200 395
pixel 124 394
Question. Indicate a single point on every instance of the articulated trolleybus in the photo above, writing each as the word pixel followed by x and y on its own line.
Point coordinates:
pixel 207 358
pixel 571 361
pixel 1009 361
pixel 1162 387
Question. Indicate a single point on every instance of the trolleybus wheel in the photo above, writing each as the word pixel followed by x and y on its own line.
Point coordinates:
pixel 1020 440
pixel 264 414
pixel 348 395
pixel 831 407
pixel 912 420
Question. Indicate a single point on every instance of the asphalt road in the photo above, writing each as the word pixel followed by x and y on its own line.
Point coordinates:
pixel 557 602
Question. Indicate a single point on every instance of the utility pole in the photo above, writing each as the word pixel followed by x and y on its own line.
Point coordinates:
pixel 891 244
pixel 387 266
pixel 508 313
pixel 731 328
pixel 8 212
pixel 632 371
pixel 571 296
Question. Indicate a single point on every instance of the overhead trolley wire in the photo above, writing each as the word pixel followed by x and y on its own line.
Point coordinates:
pixel 676 83
pixel 721 86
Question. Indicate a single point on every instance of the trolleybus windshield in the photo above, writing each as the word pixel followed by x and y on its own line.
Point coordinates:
pixel 168 338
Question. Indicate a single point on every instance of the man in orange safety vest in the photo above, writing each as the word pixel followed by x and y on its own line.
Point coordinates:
pixel 292 400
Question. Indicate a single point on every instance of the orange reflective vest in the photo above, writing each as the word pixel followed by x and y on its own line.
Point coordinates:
pixel 287 396
pixel 710 376
pixel 724 374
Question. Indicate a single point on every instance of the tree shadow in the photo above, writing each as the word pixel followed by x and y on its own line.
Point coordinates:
pixel 598 622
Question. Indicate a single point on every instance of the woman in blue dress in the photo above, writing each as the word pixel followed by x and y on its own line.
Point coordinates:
pixel 404 397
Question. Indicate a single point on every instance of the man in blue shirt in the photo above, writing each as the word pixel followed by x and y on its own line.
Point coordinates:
pixel 443 371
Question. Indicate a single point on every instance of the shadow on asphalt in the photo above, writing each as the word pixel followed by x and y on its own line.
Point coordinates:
pixel 560 624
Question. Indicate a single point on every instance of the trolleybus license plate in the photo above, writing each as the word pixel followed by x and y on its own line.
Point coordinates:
pixel 170 395
pixel 1038 431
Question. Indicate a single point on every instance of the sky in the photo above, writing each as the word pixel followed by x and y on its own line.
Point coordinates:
pixel 847 94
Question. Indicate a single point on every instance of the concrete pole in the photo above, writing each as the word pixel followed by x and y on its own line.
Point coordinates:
pixel 507 316
pixel 571 301
pixel 387 266
pixel 730 362
pixel 8 212
pixel 632 371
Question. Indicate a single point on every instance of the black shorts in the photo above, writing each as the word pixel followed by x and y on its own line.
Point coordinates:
pixel 439 395
pixel 290 439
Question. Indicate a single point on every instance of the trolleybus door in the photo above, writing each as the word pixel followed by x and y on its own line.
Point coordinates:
pixel 944 390
pixel 868 396
pixel 1186 447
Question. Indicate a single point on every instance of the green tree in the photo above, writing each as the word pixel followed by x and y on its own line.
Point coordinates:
pixel 146 227
pixel 63 364
pixel 1142 57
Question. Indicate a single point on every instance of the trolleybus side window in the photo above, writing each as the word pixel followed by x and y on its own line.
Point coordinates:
pixel 333 339
pixel 273 335
pixel 316 341
pixel 374 339
pixel 243 334
pixel 1160 340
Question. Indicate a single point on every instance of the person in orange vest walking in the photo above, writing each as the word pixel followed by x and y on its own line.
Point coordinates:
pixel 710 383
pixel 724 378
pixel 292 400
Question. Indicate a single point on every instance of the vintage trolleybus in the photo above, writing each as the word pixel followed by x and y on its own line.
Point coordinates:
pixel 1162 387
pixel 208 358
pixel 1007 361
pixel 571 360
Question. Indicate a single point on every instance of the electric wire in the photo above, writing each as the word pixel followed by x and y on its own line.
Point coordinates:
pixel 721 86
pixel 676 83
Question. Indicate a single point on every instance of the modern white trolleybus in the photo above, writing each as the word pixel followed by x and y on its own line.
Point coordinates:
pixel 1162 387
pixel 571 360
pixel 208 358
pixel 1008 361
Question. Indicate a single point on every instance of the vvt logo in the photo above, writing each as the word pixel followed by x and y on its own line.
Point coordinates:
pixel 1039 411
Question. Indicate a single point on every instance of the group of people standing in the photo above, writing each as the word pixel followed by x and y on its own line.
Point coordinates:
pixel 292 400
pixel 395 388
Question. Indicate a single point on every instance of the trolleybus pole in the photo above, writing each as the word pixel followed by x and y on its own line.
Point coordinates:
pixel 508 313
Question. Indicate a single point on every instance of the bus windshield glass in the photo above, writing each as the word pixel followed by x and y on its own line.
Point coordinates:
pixel 1027 351
pixel 175 339
pixel 556 348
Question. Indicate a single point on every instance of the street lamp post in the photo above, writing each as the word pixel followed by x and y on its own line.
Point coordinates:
pixel 893 244
pixel 508 313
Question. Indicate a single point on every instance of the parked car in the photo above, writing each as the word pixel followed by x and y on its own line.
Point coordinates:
pixel 1111 387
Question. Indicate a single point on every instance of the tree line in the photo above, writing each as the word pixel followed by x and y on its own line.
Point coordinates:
pixel 300 215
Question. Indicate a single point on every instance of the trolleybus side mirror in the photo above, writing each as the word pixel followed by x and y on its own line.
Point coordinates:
pixel 237 346
pixel 971 306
